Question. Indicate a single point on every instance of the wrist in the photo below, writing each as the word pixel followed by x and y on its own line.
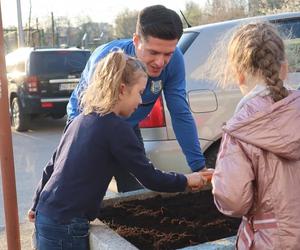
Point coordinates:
pixel 199 168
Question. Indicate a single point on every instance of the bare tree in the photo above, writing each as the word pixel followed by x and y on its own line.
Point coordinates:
pixel 97 33
pixel 125 23
pixel 219 10
pixel 29 24
pixel 276 6
pixel 193 13
pixel 265 5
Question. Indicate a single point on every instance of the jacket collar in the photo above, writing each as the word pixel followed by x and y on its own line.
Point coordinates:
pixel 258 90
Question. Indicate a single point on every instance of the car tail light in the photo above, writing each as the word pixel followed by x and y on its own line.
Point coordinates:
pixel 32 83
pixel 156 118
pixel 47 105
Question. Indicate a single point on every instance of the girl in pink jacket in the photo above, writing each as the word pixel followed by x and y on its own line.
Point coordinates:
pixel 257 174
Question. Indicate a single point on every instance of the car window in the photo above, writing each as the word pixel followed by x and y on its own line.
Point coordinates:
pixel 10 68
pixel 16 67
pixel 16 60
pixel 186 40
pixel 56 62
pixel 290 31
pixel 20 67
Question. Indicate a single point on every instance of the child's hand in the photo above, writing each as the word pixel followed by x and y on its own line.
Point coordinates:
pixel 195 181
pixel 31 215
pixel 207 173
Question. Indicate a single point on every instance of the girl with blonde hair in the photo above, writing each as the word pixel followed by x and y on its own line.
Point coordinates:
pixel 95 146
pixel 257 175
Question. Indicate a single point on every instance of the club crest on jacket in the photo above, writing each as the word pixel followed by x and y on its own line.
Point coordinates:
pixel 156 86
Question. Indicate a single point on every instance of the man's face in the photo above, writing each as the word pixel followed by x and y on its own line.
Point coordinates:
pixel 155 53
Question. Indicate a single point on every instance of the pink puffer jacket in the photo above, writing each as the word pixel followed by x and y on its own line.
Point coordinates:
pixel 257 174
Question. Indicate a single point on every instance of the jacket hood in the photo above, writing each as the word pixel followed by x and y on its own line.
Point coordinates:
pixel 271 126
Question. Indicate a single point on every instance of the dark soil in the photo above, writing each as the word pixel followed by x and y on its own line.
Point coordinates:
pixel 170 223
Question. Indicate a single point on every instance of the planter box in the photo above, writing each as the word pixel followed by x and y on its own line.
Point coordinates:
pixel 135 208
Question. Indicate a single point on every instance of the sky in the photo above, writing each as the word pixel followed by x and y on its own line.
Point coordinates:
pixel 98 10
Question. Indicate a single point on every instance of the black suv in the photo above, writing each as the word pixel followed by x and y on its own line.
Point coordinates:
pixel 40 81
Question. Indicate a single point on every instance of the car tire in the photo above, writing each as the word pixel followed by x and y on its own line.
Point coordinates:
pixel 211 154
pixel 19 120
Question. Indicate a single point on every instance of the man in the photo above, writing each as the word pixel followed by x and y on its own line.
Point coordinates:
pixel 158 30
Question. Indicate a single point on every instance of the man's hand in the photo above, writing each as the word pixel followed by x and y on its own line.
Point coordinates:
pixel 31 215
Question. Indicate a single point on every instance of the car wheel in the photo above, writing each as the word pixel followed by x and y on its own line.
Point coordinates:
pixel 211 154
pixel 19 120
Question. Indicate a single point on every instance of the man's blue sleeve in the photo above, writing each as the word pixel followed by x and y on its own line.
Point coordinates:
pixel 73 107
pixel 182 120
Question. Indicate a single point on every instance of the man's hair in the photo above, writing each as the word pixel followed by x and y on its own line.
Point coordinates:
pixel 159 22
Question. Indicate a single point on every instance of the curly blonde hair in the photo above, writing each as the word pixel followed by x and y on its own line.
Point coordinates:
pixel 258 50
pixel 102 93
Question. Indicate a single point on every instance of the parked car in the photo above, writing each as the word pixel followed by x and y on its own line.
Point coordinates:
pixel 40 82
pixel 211 105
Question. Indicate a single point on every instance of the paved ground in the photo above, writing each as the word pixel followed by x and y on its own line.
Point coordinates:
pixel 25 235
pixel 32 150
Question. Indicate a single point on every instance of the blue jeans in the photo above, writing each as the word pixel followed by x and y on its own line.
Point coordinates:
pixel 51 235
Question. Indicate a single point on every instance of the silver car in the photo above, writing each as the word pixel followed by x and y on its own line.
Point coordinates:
pixel 211 106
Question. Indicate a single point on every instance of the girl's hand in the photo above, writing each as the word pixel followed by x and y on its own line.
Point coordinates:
pixel 207 173
pixel 31 215
pixel 195 181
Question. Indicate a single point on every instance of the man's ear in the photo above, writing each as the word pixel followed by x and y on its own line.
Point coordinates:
pixel 284 69
pixel 135 39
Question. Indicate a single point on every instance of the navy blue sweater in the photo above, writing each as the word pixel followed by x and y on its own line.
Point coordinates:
pixel 171 81
pixel 91 150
